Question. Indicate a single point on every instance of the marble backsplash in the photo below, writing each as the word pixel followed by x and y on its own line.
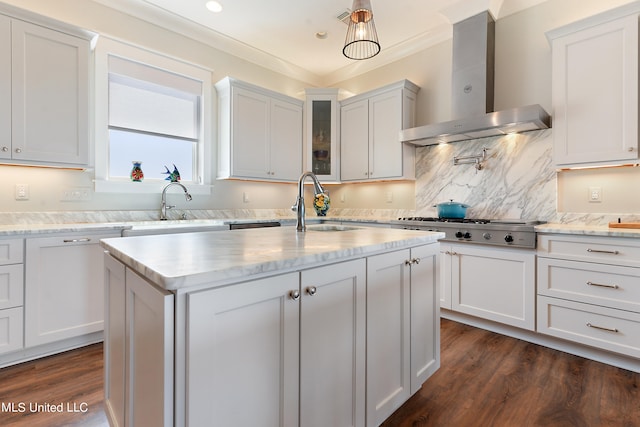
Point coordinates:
pixel 517 179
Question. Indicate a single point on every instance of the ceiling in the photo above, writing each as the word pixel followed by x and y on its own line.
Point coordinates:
pixel 281 34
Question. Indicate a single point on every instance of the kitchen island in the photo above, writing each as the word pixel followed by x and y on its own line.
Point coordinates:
pixel 335 326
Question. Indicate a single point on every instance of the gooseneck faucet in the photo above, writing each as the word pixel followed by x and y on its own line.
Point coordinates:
pixel 299 205
pixel 164 207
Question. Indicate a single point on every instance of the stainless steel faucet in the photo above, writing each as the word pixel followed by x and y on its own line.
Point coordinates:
pixel 164 207
pixel 299 205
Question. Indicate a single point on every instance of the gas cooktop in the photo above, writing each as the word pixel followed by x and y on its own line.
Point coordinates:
pixel 497 232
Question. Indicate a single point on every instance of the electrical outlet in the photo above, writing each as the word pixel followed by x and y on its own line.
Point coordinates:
pixel 22 191
pixel 595 195
pixel 389 196
pixel 245 197
pixel 75 194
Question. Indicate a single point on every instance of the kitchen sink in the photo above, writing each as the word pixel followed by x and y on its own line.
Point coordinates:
pixel 170 227
pixel 331 227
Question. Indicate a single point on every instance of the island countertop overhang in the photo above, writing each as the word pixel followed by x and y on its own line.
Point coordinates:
pixel 178 261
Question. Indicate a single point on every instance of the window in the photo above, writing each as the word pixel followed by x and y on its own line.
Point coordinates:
pixel 154 112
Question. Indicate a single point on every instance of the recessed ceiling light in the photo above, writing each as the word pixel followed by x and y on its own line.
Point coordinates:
pixel 214 6
pixel 321 35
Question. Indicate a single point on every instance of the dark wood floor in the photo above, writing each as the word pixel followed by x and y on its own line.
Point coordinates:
pixel 486 380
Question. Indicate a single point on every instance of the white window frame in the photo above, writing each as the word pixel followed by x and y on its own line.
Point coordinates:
pixel 203 169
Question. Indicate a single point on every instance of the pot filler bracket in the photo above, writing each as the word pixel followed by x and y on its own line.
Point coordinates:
pixel 476 160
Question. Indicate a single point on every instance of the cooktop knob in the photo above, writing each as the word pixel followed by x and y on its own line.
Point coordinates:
pixel 459 234
pixel 508 238
pixel 487 236
pixel 467 235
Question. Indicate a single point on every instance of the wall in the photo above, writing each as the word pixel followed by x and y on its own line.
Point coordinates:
pixel 522 77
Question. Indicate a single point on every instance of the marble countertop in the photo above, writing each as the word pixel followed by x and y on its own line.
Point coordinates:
pixel 177 261
pixel 18 230
pixel 588 230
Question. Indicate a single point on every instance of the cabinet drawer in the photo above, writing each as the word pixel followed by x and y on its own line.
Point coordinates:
pixel 11 251
pixel 11 335
pixel 600 284
pixel 11 289
pixel 606 250
pixel 601 327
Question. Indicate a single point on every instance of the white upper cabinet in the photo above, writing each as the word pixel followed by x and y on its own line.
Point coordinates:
pixel 370 126
pixel 44 82
pixel 259 133
pixel 595 90
pixel 322 117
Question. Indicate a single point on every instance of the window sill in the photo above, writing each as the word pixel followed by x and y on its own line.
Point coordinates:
pixel 146 187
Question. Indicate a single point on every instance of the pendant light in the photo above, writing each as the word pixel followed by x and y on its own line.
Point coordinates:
pixel 362 39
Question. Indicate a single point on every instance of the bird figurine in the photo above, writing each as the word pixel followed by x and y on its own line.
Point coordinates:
pixel 172 176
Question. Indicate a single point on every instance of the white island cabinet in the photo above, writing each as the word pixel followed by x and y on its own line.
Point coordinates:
pixel 268 319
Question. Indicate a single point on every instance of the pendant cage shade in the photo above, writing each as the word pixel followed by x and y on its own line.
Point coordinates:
pixel 362 39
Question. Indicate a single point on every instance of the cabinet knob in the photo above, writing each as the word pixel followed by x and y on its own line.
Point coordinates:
pixel 294 295
pixel 311 290
pixel 631 149
pixel 5 149
pixel 18 150
pixel 416 261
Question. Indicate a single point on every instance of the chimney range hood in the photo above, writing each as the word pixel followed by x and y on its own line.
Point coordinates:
pixel 472 86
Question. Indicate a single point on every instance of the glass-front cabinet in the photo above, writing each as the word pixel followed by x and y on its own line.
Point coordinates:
pixel 321 134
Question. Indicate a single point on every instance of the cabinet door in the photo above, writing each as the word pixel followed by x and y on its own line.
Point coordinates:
pixel 332 345
pixel 321 133
pixel 11 329
pixel 388 334
pixel 149 354
pixel 445 276
pixel 11 285
pixel 595 116
pixel 480 274
pixel 5 87
pixel 64 292
pixel 250 134
pixel 354 141
pixel 242 354
pixel 114 340
pixel 50 95
pixel 425 314
pixel 285 141
pixel 385 123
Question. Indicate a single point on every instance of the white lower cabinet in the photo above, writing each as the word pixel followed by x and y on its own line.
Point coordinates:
pixel 242 352
pixel 139 350
pixel 589 291
pixel 324 346
pixel 11 295
pixel 289 347
pixel 403 325
pixel 475 275
pixel 64 287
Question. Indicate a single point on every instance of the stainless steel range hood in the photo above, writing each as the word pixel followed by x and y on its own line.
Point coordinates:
pixel 472 87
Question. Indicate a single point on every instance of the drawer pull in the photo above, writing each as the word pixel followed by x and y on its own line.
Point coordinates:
pixel 86 239
pixel 602 328
pixel 602 285
pixel 603 252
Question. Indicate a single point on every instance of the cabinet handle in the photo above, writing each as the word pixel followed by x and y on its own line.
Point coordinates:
pixel 631 149
pixel 415 261
pixel 451 253
pixel 294 295
pixel 311 290
pixel 602 328
pixel 603 252
pixel 407 261
pixel 602 285
pixel 84 239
